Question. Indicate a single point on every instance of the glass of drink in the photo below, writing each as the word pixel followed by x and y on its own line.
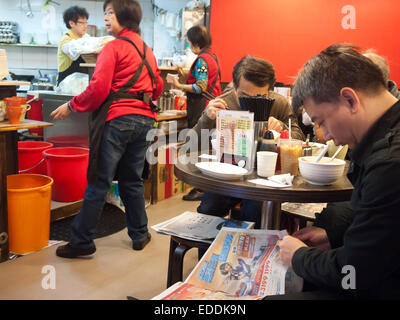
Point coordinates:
pixel 290 151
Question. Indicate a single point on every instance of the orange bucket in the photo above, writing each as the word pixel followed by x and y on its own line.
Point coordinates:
pixel 29 205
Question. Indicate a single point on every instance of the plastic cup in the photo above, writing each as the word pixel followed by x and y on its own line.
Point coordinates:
pixel 290 151
pixel 14 114
pixel 266 163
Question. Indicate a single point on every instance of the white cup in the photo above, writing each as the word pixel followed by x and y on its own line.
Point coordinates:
pixel 266 163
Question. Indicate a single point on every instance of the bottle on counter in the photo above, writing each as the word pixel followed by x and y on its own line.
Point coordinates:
pixel 307 150
pixel 268 142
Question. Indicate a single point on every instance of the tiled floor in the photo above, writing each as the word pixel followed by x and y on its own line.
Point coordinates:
pixel 114 272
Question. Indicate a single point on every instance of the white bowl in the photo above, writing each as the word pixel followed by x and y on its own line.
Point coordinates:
pixel 323 172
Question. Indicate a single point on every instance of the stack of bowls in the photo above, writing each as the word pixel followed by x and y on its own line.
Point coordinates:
pixel 16 108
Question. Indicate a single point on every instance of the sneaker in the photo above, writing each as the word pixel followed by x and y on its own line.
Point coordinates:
pixel 139 245
pixel 193 195
pixel 67 251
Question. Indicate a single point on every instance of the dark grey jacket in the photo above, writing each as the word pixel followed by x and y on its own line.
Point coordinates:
pixel 367 237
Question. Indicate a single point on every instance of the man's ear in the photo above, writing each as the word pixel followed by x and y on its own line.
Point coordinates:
pixel 351 99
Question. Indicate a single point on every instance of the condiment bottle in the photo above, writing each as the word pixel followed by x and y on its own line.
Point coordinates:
pixel 284 135
pixel 268 142
pixel 307 150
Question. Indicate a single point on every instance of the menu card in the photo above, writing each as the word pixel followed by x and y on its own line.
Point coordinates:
pixel 235 137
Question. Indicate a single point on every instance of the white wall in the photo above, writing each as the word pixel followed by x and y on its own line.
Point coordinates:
pixel 28 59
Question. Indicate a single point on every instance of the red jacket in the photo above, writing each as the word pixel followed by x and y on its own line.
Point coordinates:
pixel 213 74
pixel 116 64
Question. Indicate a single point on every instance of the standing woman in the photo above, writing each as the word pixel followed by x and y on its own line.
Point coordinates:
pixel 119 98
pixel 204 78
pixel 203 83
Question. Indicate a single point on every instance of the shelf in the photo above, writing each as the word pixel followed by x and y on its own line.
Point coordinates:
pixel 28 45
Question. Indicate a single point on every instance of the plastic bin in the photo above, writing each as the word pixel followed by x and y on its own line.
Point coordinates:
pixel 67 166
pixel 29 205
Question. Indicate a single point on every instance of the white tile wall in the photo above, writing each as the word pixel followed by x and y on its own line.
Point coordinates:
pixel 154 34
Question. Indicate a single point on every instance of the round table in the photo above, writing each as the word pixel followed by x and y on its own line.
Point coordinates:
pixel 301 191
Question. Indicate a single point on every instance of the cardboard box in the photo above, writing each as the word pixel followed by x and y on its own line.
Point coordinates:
pixel 167 183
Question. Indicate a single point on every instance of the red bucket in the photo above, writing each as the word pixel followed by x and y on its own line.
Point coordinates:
pixel 67 166
pixel 30 153
pixel 35 113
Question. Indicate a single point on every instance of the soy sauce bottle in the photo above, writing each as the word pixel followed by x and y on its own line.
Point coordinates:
pixel 268 142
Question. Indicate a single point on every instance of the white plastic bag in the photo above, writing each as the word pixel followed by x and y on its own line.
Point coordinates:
pixel 74 84
pixel 84 45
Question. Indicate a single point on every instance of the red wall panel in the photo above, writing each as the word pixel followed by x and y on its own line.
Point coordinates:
pixel 289 32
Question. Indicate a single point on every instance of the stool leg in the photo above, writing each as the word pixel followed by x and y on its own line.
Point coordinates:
pixel 175 264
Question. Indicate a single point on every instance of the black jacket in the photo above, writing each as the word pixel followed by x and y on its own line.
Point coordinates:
pixel 370 240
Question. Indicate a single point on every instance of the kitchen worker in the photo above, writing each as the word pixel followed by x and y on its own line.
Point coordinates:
pixel 203 83
pixel 119 98
pixel 75 19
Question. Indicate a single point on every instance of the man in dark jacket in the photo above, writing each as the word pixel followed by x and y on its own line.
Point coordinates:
pixel 345 93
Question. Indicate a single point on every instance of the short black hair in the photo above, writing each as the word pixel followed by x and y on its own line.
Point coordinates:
pixel 128 13
pixel 73 14
pixel 258 71
pixel 199 36
pixel 338 66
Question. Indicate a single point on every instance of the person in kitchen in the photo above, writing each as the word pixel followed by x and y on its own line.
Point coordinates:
pixel 203 82
pixel 119 98
pixel 75 19
pixel 251 76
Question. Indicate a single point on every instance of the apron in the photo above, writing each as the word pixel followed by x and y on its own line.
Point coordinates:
pixel 74 67
pixel 97 118
pixel 197 102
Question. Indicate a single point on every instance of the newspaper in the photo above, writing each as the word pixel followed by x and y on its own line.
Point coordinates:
pixel 303 209
pixel 235 137
pixel 239 264
pixel 197 226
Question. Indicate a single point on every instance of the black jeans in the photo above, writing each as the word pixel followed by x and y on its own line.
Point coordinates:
pixel 123 148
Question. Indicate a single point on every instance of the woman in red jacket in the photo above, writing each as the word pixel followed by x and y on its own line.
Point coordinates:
pixel 119 98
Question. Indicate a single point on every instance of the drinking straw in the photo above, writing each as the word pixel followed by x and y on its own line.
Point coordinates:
pixel 290 129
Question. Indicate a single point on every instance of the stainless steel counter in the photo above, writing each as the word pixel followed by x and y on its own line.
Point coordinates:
pixel 75 124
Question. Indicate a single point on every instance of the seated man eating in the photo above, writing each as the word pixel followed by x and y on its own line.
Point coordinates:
pixel 251 77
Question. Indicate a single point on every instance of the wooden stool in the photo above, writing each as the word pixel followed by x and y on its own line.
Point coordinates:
pixel 177 250
pixel 297 219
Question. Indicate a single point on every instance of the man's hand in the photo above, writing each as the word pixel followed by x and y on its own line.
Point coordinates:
pixel 274 124
pixel 214 106
pixel 287 247
pixel 61 112
pixel 313 237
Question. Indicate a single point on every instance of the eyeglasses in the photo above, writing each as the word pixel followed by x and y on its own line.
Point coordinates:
pixel 109 13
pixel 82 22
